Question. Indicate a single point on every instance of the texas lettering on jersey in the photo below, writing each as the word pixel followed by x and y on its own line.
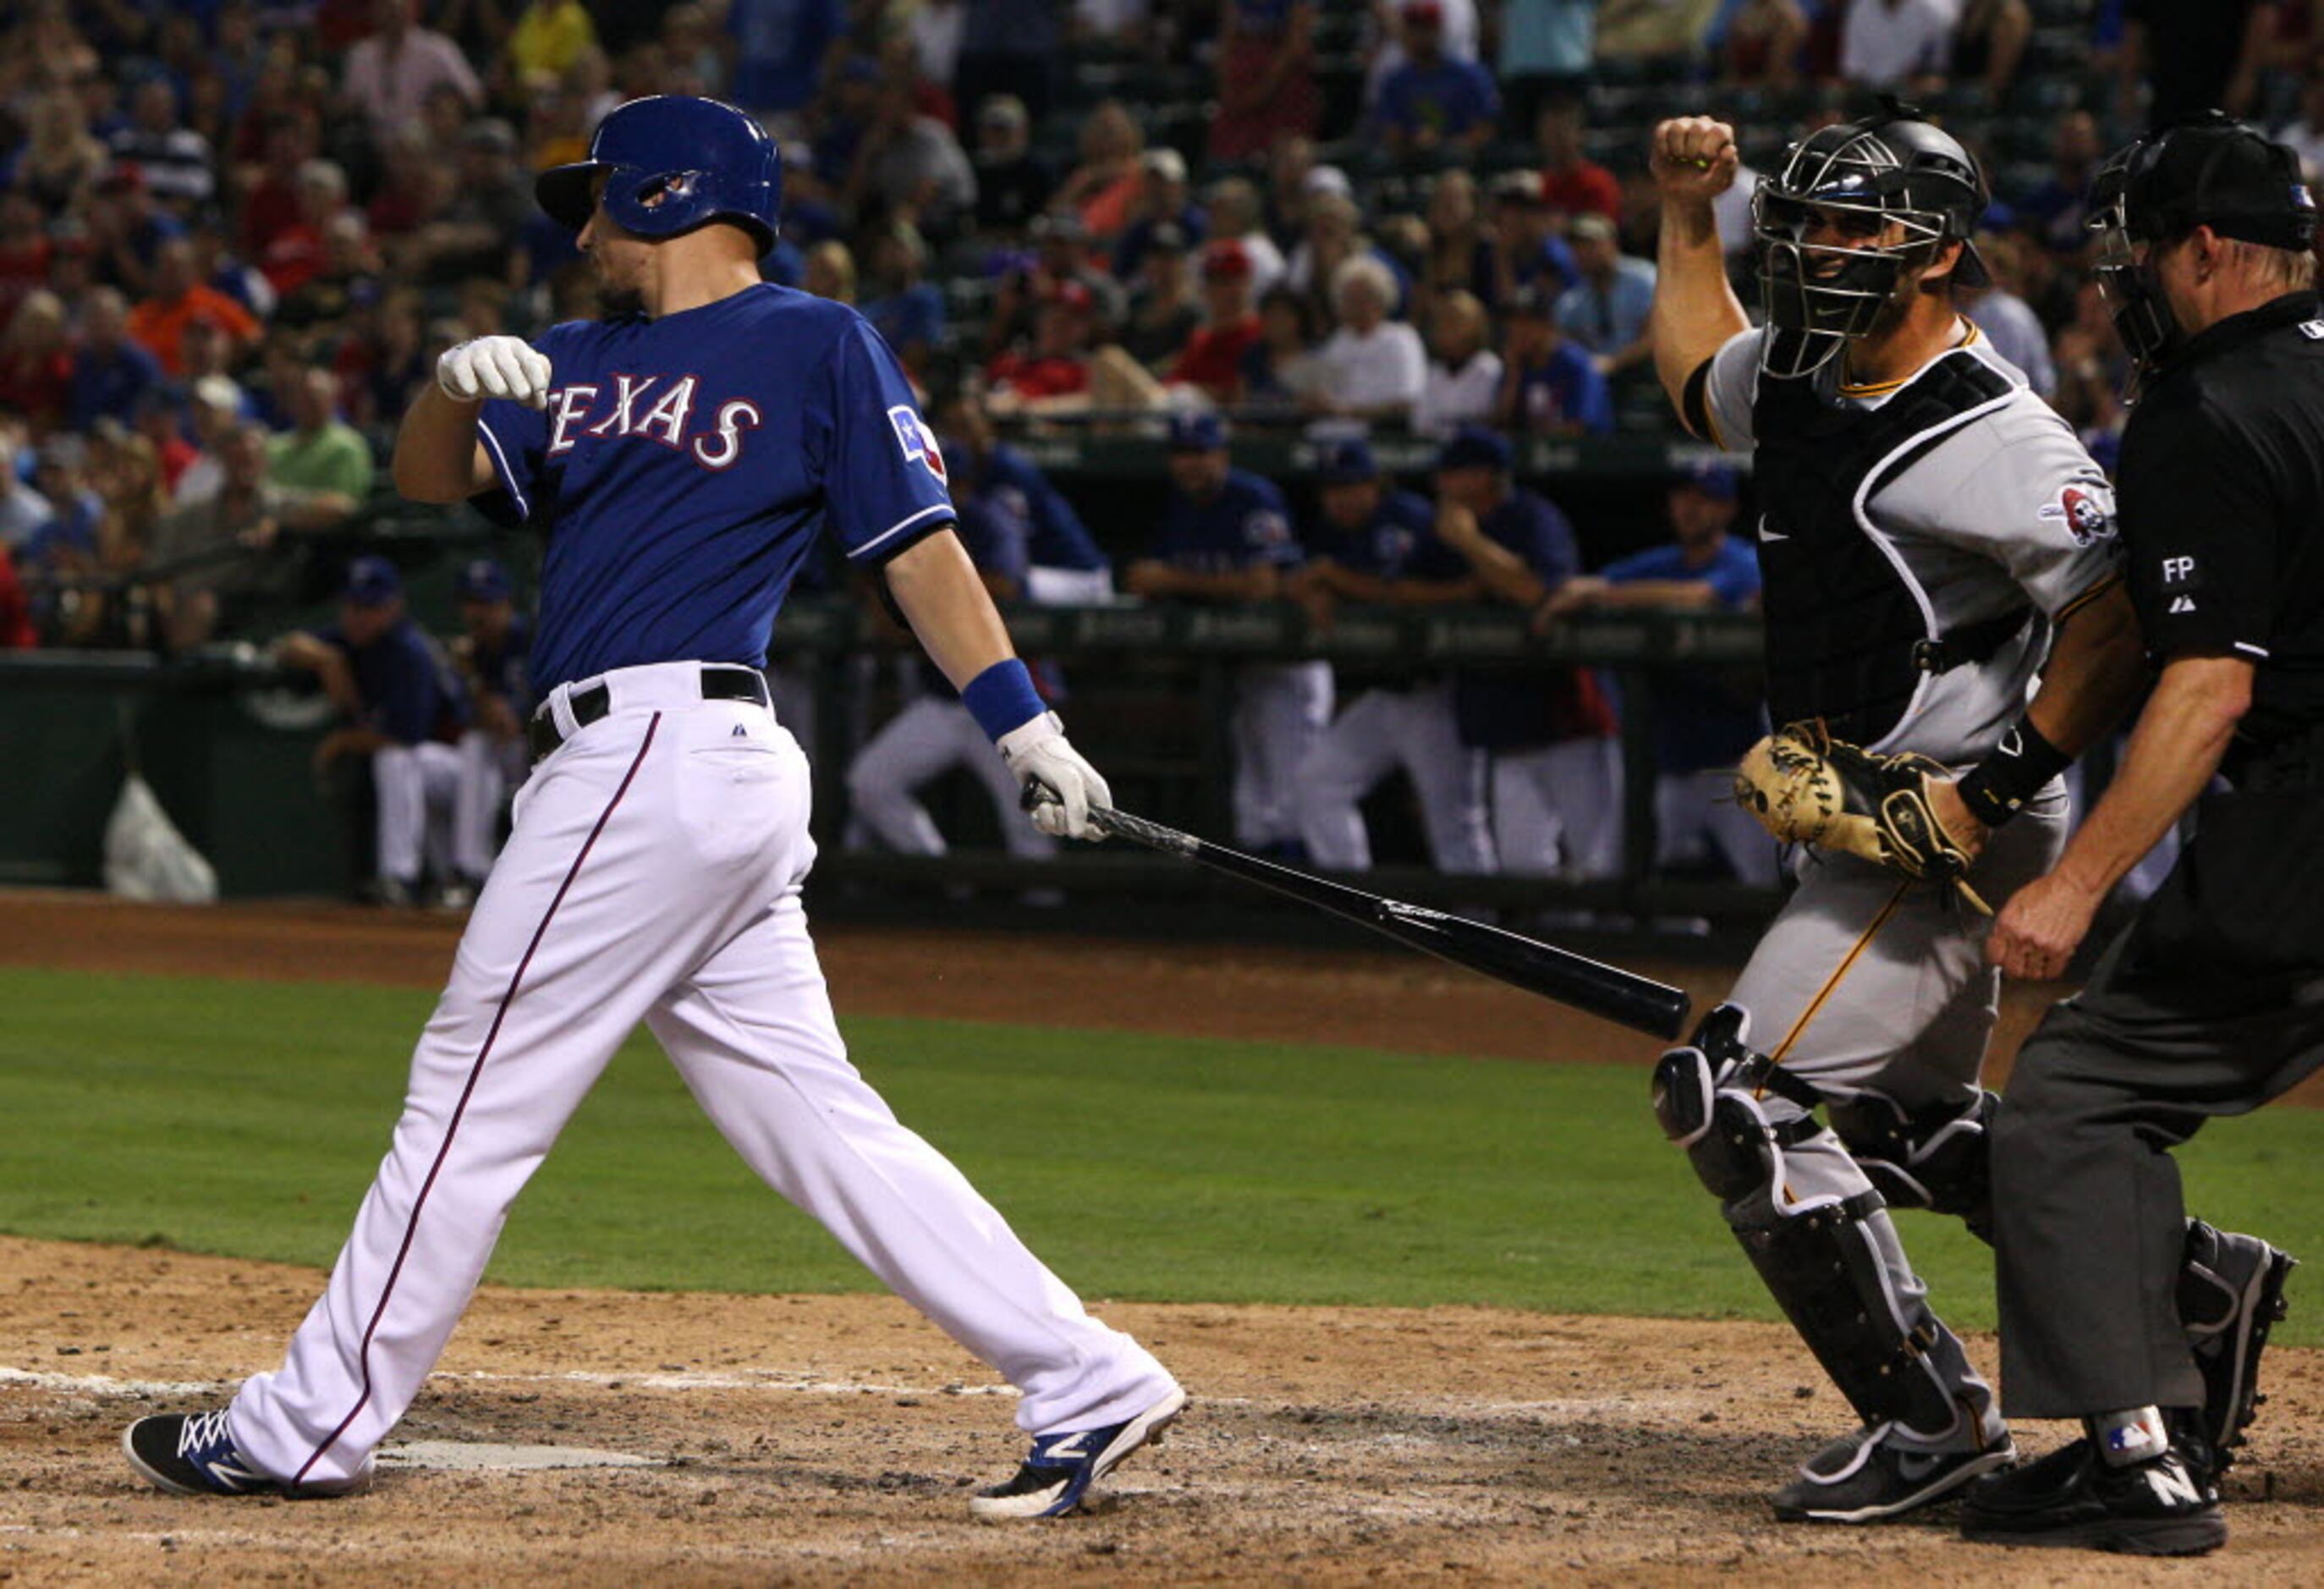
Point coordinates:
pixel 658 408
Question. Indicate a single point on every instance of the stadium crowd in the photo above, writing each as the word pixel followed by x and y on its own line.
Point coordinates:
pixel 235 234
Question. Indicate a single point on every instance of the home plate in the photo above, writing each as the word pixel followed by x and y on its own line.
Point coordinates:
pixel 473 1456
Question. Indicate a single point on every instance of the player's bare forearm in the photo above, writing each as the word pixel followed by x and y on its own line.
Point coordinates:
pixel 2094 672
pixel 2173 754
pixel 1149 577
pixel 437 457
pixel 1688 594
pixel 1695 311
pixel 942 596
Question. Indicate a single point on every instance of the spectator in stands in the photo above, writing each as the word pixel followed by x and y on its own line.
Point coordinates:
pixel 1572 184
pixel 1012 182
pixel 1163 311
pixel 176 161
pixel 1763 41
pixel 1064 564
pixel 208 554
pixel 936 28
pixel 270 206
pixel 1334 235
pixel 1605 312
pixel 1280 371
pixel 2192 57
pixel 1266 81
pixel 1434 102
pixel 2092 374
pixel 911 165
pixel 1550 386
pixel 1162 200
pixel 60 160
pixel 830 271
pixel 1107 182
pixel 161 419
pixel 1237 216
pixel 1526 243
pixel 1062 255
pixel 2053 211
pixel 1374 368
pixel 1989 43
pixel 36 362
pixel 1900 45
pixel 1464 374
pixel 24 248
pixel 1012 47
pixel 548 37
pixel 1545 52
pixel 1293 178
pixel 1376 544
pixel 126 227
pixel 1704 718
pixel 1461 251
pixel 60 558
pixel 178 298
pixel 110 370
pixel 2005 319
pixel 908 312
pixel 779 48
pixel 1556 765
pixel 1053 374
pixel 390 74
pixel 490 205
pixel 23 510
pixel 16 630
pixel 1225 538
pixel 1458 32
pixel 1211 360
pixel 322 453
pixel 397 699
pixel 2305 134
pixel 297 252
pixel 214 409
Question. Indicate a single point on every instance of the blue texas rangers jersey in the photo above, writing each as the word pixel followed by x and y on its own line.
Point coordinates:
pixel 1384 543
pixel 408 692
pixel 1244 525
pixel 1060 539
pixel 686 464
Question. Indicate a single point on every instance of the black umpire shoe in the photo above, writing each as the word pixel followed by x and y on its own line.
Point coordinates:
pixel 1863 1478
pixel 2230 1294
pixel 2072 1498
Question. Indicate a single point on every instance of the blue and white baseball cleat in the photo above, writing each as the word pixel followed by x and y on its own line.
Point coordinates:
pixel 194 1454
pixel 1056 1476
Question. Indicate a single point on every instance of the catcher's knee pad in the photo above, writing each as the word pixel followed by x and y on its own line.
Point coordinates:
pixel 1937 1157
pixel 1707 1097
pixel 1823 1266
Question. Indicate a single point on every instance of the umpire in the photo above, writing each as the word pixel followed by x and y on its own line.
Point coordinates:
pixel 2212 1002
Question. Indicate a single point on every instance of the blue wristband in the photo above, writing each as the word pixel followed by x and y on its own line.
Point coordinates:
pixel 1002 697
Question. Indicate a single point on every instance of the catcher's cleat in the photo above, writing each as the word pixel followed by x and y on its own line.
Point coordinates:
pixel 194 1454
pixel 2072 1498
pixel 1054 1480
pixel 1863 1478
pixel 2230 1294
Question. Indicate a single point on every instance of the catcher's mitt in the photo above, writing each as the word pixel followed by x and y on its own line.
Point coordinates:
pixel 1805 787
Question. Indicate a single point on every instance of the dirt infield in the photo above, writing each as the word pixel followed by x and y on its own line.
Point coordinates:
pixel 588 1438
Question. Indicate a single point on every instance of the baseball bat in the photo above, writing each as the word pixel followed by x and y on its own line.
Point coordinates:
pixel 1623 997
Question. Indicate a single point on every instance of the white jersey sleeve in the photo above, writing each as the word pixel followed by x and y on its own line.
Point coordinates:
pixel 1732 388
pixel 2018 488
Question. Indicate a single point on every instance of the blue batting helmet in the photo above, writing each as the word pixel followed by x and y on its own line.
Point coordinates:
pixel 673 164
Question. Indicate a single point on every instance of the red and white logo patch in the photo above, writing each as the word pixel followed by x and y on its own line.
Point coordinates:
pixel 2087 510
pixel 918 442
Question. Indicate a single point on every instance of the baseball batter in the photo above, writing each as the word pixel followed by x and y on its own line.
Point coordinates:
pixel 1930 524
pixel 681 456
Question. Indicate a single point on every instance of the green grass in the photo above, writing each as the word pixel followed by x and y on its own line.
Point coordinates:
pixel 247 1118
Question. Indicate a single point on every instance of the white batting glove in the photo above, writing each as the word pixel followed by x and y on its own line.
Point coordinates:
pixel 494 367
pixel 1069 787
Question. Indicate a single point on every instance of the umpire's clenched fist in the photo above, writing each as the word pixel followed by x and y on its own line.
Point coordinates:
pixel 1693 157
pixel 494 367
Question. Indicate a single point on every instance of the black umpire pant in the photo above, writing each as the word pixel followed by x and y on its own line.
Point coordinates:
pixel 2211 1002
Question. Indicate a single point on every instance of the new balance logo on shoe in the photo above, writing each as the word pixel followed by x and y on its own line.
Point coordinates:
pixel 2171 1485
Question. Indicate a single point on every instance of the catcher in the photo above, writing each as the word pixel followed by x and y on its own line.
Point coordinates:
pixel 1932 538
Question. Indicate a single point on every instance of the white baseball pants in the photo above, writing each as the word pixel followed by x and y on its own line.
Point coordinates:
pixel 1698 811
pixel 1557 811
pixel 928 737
pixel 1384 730
pixel 1280 710
pixel 653 875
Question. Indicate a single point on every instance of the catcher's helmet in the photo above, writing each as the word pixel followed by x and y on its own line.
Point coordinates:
pixel 1891 166
pixel 673 164
pixel 2207 171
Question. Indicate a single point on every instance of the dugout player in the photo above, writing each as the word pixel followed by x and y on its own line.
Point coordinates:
pixel 490 651
pixel 2211 1001
pixel 1927 524
pixel 687 451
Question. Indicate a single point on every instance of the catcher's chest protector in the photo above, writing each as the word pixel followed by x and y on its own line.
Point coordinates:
pixel 1843 617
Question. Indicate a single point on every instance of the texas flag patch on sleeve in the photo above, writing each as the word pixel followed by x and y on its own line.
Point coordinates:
pixel 918 442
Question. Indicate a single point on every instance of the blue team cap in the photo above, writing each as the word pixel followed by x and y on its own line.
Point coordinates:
pixel 482 579
pixel 372 582
pixel 1347 461
pixel 1710 478
pixel 1197 431
pixel 1474 447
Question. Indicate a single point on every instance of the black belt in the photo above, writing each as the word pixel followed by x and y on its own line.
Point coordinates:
pixel 719 683
pixel 1971 642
